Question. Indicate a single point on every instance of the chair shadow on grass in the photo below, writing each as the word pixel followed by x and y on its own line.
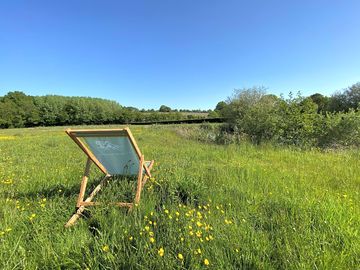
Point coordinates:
pixel 109 193
pixel 72 191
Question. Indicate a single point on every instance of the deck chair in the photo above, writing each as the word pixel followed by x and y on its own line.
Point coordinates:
pixel 114 152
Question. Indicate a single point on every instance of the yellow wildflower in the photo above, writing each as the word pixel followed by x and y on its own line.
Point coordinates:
pixel 152 240
pixel 4 138
pixel 206 262
pixel 161 252
pixel 7 182
pixel 105 248
pixel 180 256
pixel 228 221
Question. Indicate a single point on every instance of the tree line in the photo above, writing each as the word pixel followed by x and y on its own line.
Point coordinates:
pixel 251 113
pixel 20 110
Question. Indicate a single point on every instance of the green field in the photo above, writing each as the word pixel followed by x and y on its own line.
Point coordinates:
pixel 207 206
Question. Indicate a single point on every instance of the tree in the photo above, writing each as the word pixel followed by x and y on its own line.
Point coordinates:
pixel 337 102
pixel 164 108
pixel 345 100
pixel 220 108
pixel 352 96
pixel 321 101
pixel 24 112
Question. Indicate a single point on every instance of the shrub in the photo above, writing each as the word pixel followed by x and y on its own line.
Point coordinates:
pixel 340 130
pixel 298 122
pixel 252 112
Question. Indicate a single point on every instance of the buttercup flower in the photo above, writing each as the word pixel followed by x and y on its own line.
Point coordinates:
pixel 161 252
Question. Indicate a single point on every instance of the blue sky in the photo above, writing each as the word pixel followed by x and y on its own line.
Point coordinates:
pixel 185 54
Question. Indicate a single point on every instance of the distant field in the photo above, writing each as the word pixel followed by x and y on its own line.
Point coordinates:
pixel 202 114
pixel 207 207
pixel 196 114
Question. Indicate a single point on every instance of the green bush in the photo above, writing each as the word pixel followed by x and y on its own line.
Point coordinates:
pixel 297 123
pixel 252 112
pixel 340 130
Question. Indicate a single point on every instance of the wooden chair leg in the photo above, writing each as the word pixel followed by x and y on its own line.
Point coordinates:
pixel 84 182
pixel 81 209
pixel 139 181
pixel 146 176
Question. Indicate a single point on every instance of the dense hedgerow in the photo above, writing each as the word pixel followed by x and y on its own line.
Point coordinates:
pixel 293 121
pixel 254 116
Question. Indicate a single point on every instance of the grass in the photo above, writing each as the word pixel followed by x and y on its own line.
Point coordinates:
pixel 207 207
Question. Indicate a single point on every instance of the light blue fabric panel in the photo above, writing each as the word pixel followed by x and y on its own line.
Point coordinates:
pixel 116 154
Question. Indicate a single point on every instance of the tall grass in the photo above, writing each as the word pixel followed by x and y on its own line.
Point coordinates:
pixel 207 206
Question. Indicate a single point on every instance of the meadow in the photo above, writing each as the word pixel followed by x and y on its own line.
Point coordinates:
pixel 207 206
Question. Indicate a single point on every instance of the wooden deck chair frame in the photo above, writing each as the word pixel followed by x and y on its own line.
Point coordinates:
pixel 143 173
